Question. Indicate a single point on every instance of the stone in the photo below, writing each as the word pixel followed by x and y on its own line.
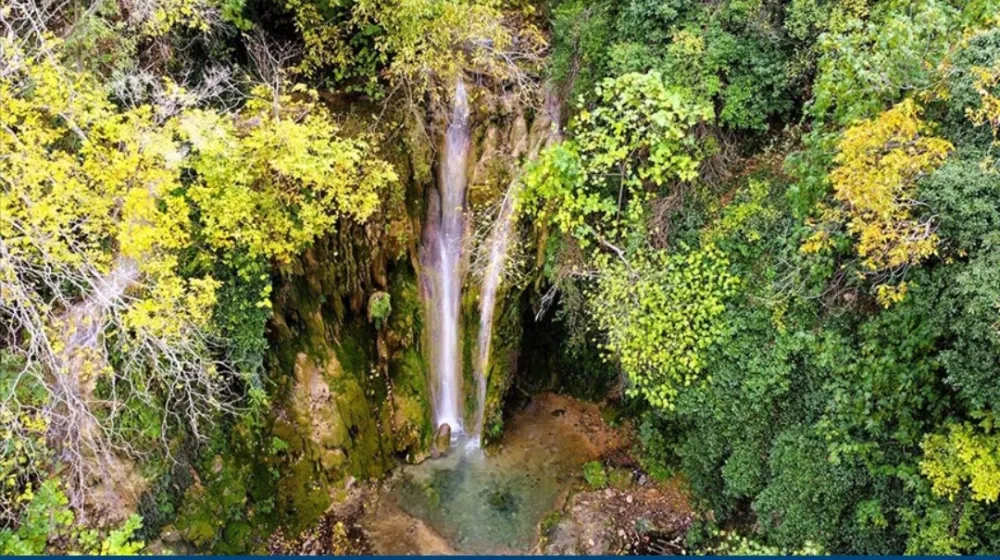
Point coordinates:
pixel 442 439
pixel 170 534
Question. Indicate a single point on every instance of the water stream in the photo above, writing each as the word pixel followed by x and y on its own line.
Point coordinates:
pixel 443 250
pixel 478 502
pixel 498 243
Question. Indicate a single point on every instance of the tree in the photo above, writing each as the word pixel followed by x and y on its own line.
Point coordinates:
pixel 879 162
pixel 660 313
pixel 966 459
pixel 417 44
pixel 108 218
pixel 632 143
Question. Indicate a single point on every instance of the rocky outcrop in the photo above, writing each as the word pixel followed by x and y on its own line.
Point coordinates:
pixel 646 518
pixel 348 357
pixel 511 135
pixel 351 392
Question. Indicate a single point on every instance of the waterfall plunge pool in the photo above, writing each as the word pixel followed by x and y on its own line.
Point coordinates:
pixel 491 502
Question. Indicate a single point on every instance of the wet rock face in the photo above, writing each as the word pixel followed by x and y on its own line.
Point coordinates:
pixel 442 440
pixel 352 391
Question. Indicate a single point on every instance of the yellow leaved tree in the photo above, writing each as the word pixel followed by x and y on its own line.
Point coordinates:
pixel 966 459
pixel 100 208
pixel 879 162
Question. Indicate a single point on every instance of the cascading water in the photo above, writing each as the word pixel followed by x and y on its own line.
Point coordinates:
pixel 498 243
pixel 443 251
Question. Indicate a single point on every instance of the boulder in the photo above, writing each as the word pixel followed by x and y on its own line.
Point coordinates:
pixel 442 440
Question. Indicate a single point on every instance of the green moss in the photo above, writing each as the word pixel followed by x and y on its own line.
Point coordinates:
pixel 353 350
pixel 284 430
pixel 469 335
pixel 236 539
pixel 330 427
pixel 219 500
pixel 620 478
pixel 408 368
pixel 504 352
pixel 365 457
pixel 302 496
pixel 412 421
pixel 409 374
pixel 550 522
pixel 199 531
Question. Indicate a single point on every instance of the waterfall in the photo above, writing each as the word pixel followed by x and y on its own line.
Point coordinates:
pixel 498 242
pixel 443 251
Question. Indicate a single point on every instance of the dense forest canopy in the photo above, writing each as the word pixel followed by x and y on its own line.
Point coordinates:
pixel 769 231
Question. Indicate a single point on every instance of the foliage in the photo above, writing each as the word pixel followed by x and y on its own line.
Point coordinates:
pixel 379 307
pixel 418 43
pixel 987 113
pixel 115 220
pixel 595 187
pixel 595 475
pixel 964 457
pixel 654 451
pixel 736 56
pixel 25 454
pixel 240 315
pixel 878 165
pixel 799 389
pixel 873 55
pixel 283 181
pixel 660 312
pixel 631 143
pixel 47 525
pixel 44 516
pixel 731 543
pixel 776 223
pixel 580 37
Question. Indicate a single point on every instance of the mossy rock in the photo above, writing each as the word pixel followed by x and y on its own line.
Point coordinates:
pixel 504 354
pixel 620 478
pixel 199 532
pixel 236 539
pixel 302 496
pixel 332 459
pixel 410 423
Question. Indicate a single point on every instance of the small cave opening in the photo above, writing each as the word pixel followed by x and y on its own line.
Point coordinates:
pixel 556 355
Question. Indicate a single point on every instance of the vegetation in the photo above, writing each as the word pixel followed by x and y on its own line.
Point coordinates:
pixel 595 475
pixel 768 230
pixel 801 308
